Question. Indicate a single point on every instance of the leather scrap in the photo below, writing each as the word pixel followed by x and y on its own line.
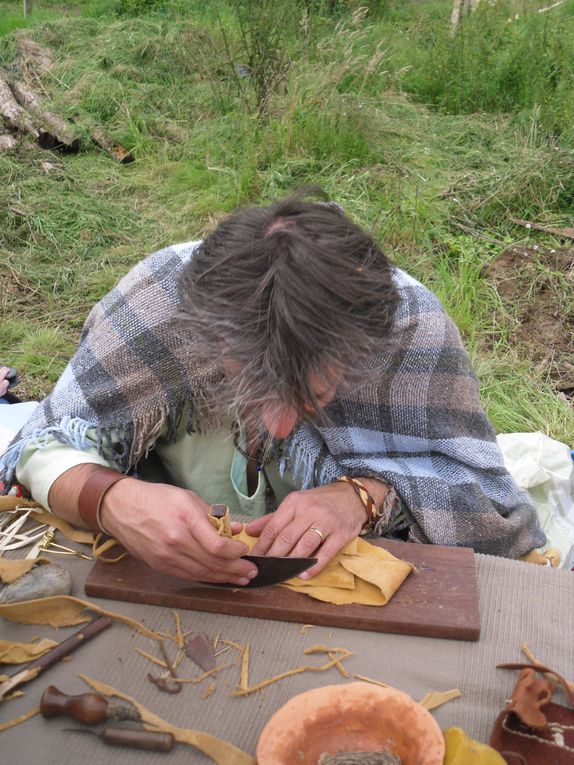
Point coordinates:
pixel 64 611
pixel 434 699
pixel 532 729
pixel 12 569
pixel 359 573
pixel 41 515
pixel 12 652
pixel 461 749
pixel 22 718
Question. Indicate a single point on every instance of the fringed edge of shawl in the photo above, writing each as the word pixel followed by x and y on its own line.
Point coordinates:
pixel 123 445
pixel 72 431
pixel 300 462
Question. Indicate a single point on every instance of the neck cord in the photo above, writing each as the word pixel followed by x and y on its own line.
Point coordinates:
pixel 256 456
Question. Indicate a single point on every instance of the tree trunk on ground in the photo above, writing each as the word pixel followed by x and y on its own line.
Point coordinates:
pixel 58 135
pixel 111 147
pixel 22 111
pixel 13 114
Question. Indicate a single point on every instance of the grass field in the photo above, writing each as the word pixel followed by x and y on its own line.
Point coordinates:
pixel 434 143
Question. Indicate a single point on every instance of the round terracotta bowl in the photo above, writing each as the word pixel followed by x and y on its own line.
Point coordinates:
pixel 350 718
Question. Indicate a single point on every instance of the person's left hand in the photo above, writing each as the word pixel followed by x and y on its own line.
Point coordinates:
pixel 333 510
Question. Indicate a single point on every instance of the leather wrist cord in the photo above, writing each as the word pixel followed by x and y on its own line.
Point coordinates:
pixel 92 496
pixel 373 512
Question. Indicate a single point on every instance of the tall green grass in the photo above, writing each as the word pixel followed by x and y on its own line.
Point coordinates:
pixel 507 57
pixel 437 185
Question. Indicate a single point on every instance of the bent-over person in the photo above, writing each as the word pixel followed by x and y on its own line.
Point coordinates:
pixel 284 367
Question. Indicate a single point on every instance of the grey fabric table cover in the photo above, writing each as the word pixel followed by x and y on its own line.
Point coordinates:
pixel 519 603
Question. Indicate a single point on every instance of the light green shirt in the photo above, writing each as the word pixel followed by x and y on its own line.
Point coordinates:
pixel 209 464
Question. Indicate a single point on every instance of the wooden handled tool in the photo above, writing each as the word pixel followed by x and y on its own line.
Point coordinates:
pixel 135 738
pixel 64 648
pixel 87 708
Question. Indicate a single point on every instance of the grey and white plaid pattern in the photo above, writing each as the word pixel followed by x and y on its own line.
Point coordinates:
pixel 417 423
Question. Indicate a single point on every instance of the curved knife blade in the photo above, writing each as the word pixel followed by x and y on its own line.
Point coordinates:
pixel 271 571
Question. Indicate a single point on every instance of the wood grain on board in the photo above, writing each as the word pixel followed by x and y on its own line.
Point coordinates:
pixel 440 600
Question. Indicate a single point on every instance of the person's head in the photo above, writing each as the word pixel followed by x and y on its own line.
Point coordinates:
pixel 293 299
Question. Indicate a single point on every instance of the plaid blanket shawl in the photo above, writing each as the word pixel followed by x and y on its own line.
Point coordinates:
pixel 417 424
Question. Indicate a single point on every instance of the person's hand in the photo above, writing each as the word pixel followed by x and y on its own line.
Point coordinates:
pixel 169 529
pixel 3 381
pixel 317 522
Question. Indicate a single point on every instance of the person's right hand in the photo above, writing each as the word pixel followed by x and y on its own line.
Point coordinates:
pixel 169 528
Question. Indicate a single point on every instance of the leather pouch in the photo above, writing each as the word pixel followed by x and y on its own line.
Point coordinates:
pixel 532 729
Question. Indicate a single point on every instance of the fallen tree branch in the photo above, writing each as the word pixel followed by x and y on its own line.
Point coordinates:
pixel 566 233
pixel 13 114
pixel 115 150
pixel 58 136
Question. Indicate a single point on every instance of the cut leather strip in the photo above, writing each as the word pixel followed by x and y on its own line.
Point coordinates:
pixel 289 673
pixel 434 699
pixel 12 652
pixel 178 630
pixel 102 546
pixel 221 752
pixel 81 536
pixel 153 659
pixel 341 669
pixel 41 515
pixel 17 720
pixel 64 611
pixel 372 680
pixel 202 677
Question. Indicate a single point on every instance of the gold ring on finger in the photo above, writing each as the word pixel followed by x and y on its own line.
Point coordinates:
pixel 319 532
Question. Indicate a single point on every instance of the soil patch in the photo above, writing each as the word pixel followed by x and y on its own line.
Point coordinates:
pixel 537 285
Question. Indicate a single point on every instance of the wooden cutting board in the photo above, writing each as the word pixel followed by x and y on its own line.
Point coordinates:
pixel 441 600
